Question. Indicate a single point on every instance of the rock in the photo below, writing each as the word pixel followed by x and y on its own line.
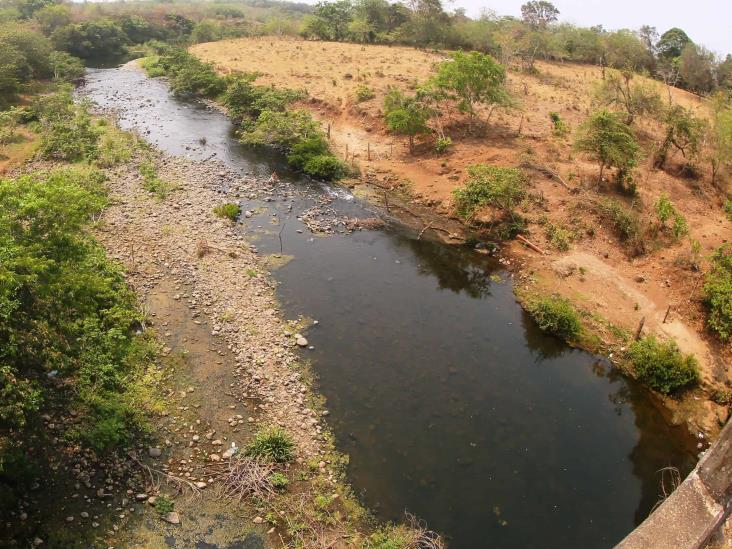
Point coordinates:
pixel 217 442
pixel 230 452
pixel 171 517
pixel 258 520
pixel 37 542
pixel 69 519
pixel 84 514
pixel 301 341
pixel 151 500
pixel 201 485
pixel 214 457
pixel 154 452
pixel 141 497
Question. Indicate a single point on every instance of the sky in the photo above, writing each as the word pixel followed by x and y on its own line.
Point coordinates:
pixel 707 22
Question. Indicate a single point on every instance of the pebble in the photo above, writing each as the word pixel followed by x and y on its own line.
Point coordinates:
pixel 301 341
pixel 171 517
pixel 258 520
pixel 154 452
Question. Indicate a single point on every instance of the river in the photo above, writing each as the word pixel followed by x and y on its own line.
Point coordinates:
pixel 450 402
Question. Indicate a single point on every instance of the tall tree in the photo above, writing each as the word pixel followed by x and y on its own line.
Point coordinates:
pixel 473 78
pixel 696 68
pixel 539 13
pixel 672 43
pixel 336 16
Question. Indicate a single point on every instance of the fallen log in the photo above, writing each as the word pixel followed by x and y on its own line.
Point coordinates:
pixel 530 244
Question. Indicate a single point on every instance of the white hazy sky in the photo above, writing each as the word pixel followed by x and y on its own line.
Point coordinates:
pixel 707 22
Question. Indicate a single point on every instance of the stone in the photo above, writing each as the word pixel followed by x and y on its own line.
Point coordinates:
pixel 301 341
pixel 214 457
pixel 171 517
pixel 141 497
pixel 230 452
pixel 258 520
pixel 201 485
pixel 154 452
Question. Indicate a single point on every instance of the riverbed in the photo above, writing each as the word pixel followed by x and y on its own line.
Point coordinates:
pixel 450 402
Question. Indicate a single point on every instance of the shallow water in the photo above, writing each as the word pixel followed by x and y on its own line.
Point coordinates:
pixel 450 402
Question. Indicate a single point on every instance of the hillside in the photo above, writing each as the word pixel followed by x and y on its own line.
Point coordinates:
pixel 596 271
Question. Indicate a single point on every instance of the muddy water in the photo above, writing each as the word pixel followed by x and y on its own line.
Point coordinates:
pixel 450 402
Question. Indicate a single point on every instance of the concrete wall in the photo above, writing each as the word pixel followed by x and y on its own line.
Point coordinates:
pixel 696 509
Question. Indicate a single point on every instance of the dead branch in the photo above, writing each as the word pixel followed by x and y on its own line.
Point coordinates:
pixel 243 477
pixel 545 170
pixel 179 482
pixel 530 244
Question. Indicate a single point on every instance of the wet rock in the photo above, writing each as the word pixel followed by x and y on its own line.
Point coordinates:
pixel 154 452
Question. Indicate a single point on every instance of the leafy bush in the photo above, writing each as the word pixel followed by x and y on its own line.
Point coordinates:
pixel 272 443
pixel 65 67
pixel 559 237
pixel 228 211
pixel 163 504
pixel 684 132
pixel 556 315
pixel 501 188
pixel 326 167
pixel 9 121
pixel 279 480
pixel 666 211
pixel 559 126
pixel 662 366
pixel 243 99
pixel 283 129
pixel 718 293
pixel 442 144
pixel 188 75
pixel 304 150
pixel 728 209
pixel 67 129
pixel 115 147
pixel 364 93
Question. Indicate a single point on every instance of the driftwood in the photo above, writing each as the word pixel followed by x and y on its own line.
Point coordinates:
pixel 545 170
pixel 530 244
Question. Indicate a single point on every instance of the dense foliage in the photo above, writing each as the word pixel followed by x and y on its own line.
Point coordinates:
pixel 499 187
pixel 718 293
pixel 557 316
pixel 662 366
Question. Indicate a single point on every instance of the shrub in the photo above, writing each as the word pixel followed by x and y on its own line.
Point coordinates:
pixel 626 222
pixel 67 131
pixel 685 133
pixel 302 151
pixel 115 147
pixel 559 237
pixel 728 209
pixel 228 211
pixel 662 366
pixel 279 480
pixel 718 293
pixel 325 166
pixel 272 443
pixel 666 211
pixel 501 188
pixel 559 126
pixel 364 93
pixel 283 129
pixel 243 99
pixel 442 144
pixel 9 121
pixel 557 316
pixel 405 115
pixel 163 504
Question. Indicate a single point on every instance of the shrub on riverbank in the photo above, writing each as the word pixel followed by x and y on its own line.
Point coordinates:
pixel 718 293
pixel 272 443
pixel 501 188
pixel 228 211
pixel 556 316
pixel 662 366
pixel 243 99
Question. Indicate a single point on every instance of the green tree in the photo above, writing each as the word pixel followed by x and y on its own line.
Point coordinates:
pixel 696 68
pixel 28 8
pixel 625 51
pixel 721 135
pixel 502 188
pixel 65 66
pixel 610 142
pixel 539 14
pixel 405 115
pixel 672 43
pixel 335 17
pixel 91 39
pixel 52 17
pixel 473 78
pixel 684 132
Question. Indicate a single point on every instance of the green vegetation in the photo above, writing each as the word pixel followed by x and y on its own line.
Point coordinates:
pixel 718 293
pixel 501 188
pixel 442 144
pixel 624 91
pixel 364 93
pixel 279 480
pixel 272 443
pixel 151 182
pixel 557 316
pixel 472 78
pixel 228 211
pixel 662 366
pixel 728 209
pixel 684 133
pixel 559 126
pixel 405 115
pixel 163 504
pixel 610 142
pixel 245 100
pixel 69 322
pixel 559 237
pixel 666 211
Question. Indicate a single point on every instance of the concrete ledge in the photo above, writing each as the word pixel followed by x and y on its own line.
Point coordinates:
pixel 696 509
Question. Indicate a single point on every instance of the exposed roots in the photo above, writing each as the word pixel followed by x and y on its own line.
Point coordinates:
pixel 670 480
pixel 421 537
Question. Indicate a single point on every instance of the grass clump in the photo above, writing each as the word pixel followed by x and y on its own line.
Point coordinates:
pixel 661 365
pixel 718 293
pixel 442 144
pixel 228 211
pixel 115 147
pixel 499 187
pixel 151 182
pixel 626 223
pixel 665 212
pixel 559 127
pixel 272 443
pixel 364 93
pixel 559 237
pixel 556 316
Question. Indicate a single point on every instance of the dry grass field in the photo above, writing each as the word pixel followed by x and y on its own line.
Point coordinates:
pixel 596 271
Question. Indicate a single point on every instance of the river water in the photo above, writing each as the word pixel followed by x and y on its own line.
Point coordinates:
pixel 450 402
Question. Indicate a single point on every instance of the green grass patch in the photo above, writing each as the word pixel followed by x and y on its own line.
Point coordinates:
pixel 229 211
pixel 718 293
pixel 556 316
pixel 272 443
